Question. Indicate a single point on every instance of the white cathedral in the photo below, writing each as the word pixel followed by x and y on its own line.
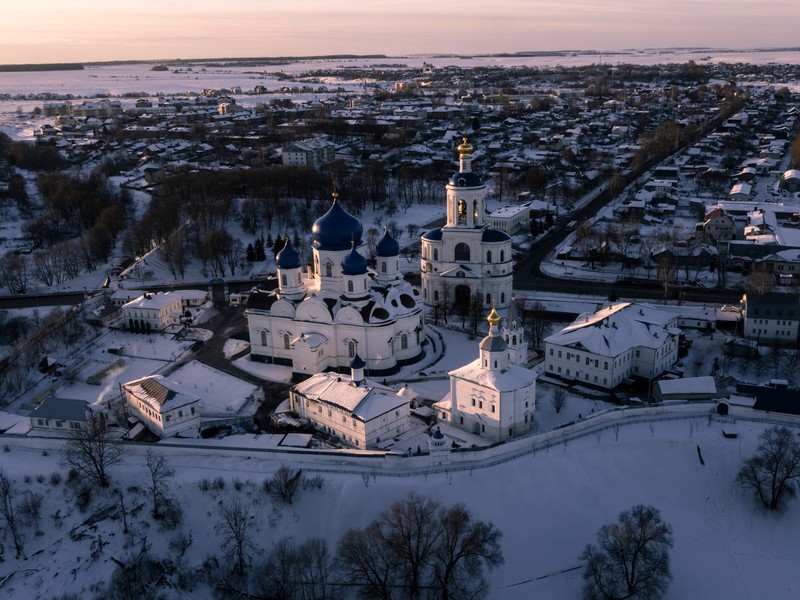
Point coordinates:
pixel 340 309
pixel 466 257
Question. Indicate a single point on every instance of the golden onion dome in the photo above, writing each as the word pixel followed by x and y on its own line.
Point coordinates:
pixel 493 318
pixel 466 148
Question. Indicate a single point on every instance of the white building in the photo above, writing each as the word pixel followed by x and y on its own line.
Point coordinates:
pixel 511 219
pixel 361 412
pixel 491 396
pixel 320 321
pixel 771 318
pixel 466 256
pixel 152 312
pixel 162 406
pixel 64 414
pixel 619 341
pixel 308 153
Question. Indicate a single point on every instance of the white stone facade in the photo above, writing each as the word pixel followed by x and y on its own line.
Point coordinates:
pixel 322 319
pixel 361 413
pixel 491 396
pixel 152 312
pixel 466 257
pixel 162 406
pixel 620 341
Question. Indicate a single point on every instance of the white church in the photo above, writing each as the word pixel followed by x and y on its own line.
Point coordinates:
pixel 494 396
pixel 339 309
pixel 466 257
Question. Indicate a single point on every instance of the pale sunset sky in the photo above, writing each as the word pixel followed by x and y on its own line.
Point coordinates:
pixel 39 31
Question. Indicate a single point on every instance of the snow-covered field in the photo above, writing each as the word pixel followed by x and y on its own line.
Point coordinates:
pixel 548 506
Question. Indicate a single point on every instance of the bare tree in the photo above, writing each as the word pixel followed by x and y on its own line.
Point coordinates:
pixel 283 485
pixel 277 576
pixel 463 547
pixel 559 399
pixel 418 548
pixel 314 570
pixel 92 453
pixel 760 280
pixel 8 494
pixel 411 530
pixel 774 471
pixel 537 323
pixel 160 474
pixel 234 525
pixel 631 559
pixel 366 560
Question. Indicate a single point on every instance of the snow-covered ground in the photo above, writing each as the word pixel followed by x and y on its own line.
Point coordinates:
pixel 548 506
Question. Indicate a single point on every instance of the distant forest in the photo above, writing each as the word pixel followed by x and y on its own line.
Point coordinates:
pixel 44 67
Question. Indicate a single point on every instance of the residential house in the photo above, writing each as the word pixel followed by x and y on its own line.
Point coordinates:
pixel 64 414
pixel 718 226
pixel 162 406
pixel 771 318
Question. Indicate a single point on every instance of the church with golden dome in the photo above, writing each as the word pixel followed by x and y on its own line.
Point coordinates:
pixel 493 396
pixel 466 258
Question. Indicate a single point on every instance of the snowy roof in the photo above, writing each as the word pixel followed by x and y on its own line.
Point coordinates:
pixel 509 379
pixel 688 385
pixel 365 401
pixel 617 328
pixel 153 301
pixel 163 395
pixel 62 408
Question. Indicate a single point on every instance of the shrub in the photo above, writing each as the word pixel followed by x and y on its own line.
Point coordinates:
pixel 55 478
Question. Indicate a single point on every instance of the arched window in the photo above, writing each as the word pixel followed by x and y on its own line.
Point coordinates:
pixel 502 297
pixel 461 251
pixel 514 340
pixel 328 269
pixel 283 278
pixel 350 285
pixel 435 295
pixel 403 341
pixel 462 211
pixel 364 282
pixel 435 254
pixel 351 349
pixel 383 266
pixel 488 299
pixel 475 211
pixel 287 343
pixel 489 256
pixel 502 256
pixel 298 277
pixel 263 338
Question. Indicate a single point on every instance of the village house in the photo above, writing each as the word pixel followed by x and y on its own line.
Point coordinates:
pixel 65 415
pixel 162 406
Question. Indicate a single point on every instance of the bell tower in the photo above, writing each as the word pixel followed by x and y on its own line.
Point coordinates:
pixel 466 193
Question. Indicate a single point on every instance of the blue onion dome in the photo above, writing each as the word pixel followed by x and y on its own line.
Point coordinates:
pixel 354 263
pixel 336 229
pixel 466 179
pixel 438 435
pixel 288 257
pixel 387 246
pixel 357 362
